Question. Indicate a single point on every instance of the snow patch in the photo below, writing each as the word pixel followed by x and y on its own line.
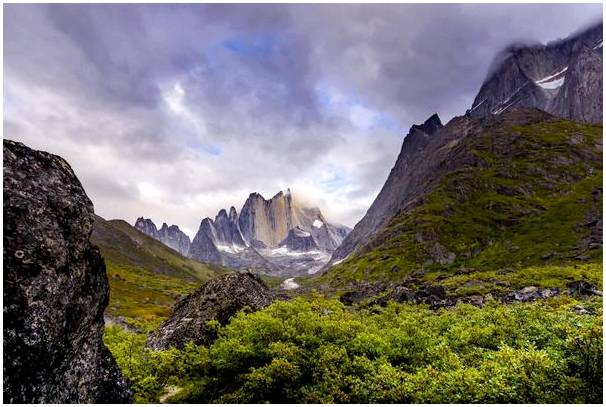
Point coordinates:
pixel 301 233
pixel 478 105
pixel 285 251
pixel 599 44
pixel 231 248
pixel 553 81
pixel 289 284
pixel 556 83
pixel 318 223
pixel 338 262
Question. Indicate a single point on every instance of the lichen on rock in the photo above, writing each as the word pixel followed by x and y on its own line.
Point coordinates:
pixel 55 287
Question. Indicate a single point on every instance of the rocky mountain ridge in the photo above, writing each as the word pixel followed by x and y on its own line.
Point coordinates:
pixel 278 236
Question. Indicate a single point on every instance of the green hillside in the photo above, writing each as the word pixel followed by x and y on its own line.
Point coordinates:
pixel 527 213
pixel 146 277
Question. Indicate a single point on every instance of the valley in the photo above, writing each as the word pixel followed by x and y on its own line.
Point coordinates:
pixel 474 276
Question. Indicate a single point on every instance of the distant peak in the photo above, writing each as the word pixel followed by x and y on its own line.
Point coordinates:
pixel 233 214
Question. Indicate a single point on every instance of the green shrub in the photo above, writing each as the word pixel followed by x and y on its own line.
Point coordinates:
pixel 316 351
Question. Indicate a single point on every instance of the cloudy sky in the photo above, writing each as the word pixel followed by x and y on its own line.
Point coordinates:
pixel 174 112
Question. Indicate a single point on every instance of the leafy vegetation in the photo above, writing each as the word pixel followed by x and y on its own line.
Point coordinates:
pixel 316 350
pixel 145 276
pixel 526 204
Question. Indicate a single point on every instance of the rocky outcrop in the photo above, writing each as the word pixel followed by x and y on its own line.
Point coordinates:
pixel 563 78
pixel 55 287
pixel 396 191
pixel 171 236
pixel 217 300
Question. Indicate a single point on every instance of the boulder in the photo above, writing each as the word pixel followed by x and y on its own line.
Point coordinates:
pixel 55 287
pixel 218 300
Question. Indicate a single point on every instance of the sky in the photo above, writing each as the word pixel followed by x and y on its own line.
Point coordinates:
pixel 173 112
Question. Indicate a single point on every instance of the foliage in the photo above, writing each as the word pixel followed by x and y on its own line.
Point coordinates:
pixel 318 351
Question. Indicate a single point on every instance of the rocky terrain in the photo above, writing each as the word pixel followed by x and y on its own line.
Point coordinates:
pixel 55 287
pixel 563 78
pixel 217 300
pixel 279 237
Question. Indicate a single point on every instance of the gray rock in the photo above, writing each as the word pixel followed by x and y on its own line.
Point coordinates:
pixel 299 240
pixel 55 287
pixel 218 300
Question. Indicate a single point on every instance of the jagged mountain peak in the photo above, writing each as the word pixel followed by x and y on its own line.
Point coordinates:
pixel 233 214
pixel 430 126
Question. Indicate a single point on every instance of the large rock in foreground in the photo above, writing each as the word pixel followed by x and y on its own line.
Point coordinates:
pixel 219 300
pixel 55 287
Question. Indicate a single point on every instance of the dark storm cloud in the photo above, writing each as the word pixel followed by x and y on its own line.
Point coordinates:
pixel 174 111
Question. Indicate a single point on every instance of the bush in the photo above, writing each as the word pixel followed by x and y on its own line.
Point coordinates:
pixel 317 351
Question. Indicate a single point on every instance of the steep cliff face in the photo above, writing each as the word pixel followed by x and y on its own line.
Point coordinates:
pixel 55 287
pixel 268 221
pixel 563 78
pixel 171 236
pixel 395 193
pixel 218 300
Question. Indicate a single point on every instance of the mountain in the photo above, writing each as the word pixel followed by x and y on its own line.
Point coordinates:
pixel 266 236
pixel 146 276
pixel 563 78
pixel 171 236
pixel 488 204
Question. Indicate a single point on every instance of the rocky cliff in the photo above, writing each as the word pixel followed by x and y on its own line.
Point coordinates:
pixel 397 190
pixel 55 287
pixel 563 78
pixel 217 300
pixel 171 236
pixel 268 236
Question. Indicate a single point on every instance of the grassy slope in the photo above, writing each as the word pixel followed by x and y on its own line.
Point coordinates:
pixel 146 277
pixel 524 209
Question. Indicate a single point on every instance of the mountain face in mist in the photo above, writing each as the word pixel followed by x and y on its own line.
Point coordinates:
pixel 171 236
pixel 563 78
